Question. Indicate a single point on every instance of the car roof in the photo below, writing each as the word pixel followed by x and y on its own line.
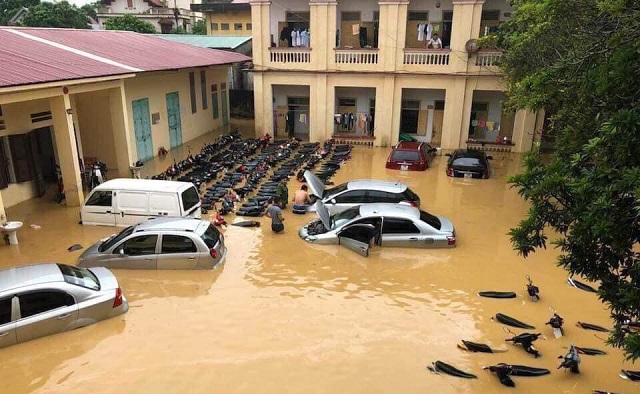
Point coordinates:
pixel 395 210
pixel 172 224
pixel 144 185
pixel 27 275
pixel 408 145
pixel 370 184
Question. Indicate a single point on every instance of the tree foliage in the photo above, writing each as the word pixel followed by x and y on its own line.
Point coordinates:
pixel 8 8
pixel 91 9
pixel 61 14
pixel 200 27
pixel 581 60
pixel 129 23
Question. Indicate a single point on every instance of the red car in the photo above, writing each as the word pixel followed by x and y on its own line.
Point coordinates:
pixel 411 156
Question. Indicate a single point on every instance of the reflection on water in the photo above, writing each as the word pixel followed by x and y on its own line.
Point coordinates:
pixel 283 316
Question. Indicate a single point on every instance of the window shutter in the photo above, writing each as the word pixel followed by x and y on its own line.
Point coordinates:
pixel 4 167
pixel 21 156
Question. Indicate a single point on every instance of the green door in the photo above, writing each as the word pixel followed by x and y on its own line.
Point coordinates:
pixel 142 128
pixel 173 117
pixel 225 112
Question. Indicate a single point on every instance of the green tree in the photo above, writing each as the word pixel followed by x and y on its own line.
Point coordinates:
pixel 8 8
pixel 91 9
pixel 581 60
pixel 60 14
pixel 129 23
pixel 200 27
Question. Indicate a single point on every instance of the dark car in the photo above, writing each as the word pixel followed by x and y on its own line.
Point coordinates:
pixel 468 164
pixel 411 156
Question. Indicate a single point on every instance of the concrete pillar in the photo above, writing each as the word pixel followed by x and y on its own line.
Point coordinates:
pixel 123 136
pixel 261 28
pixel 392 32
pixel 457 114
pixel 323 21
pixel 523 130
pixel 319 112
pixel 76 124
pixel 384 112
pixel 466 25
pixel 263 105
pixel 67 150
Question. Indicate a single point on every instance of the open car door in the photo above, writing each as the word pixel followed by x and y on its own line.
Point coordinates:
pixel 356 238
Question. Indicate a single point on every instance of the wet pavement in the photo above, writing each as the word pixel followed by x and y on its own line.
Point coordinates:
pixel 283 316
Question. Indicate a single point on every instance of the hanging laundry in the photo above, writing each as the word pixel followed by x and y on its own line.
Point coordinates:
pixel 420 31
pixel 355 29
pixel 436 28
pixel 294 38
pixel 429 30
pixel 489 125
pixel 302 118
pixel 336 118
pixel 474 123
pixel 482 123
pixel 496 126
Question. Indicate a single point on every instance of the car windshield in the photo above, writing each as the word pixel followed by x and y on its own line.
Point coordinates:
pixel 335 190
pixel 190 198
pixel 430 220
pixel 467 162
pixel 79 277
pixel 344 217
pixel 405 155
pixel 211 236
pixel 114 239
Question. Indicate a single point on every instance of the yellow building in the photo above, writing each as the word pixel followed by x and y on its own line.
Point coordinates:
pixel 366 70
pixel 226 17
pixel 69 97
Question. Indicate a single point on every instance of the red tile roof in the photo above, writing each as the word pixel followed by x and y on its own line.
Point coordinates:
pixel 35 55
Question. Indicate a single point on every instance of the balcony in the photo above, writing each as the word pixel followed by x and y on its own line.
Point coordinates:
pixel 290 55
pixel 488 58
pixel 349 59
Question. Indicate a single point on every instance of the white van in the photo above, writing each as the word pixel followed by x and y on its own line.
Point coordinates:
pixel 124 202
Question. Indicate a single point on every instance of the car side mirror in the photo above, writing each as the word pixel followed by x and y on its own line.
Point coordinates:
pixel 333 201
pixel 489 157
pixel 448 154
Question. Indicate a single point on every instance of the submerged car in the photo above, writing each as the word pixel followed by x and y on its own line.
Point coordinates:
pixel 386 224
pixel 354 193
pixel 411 156
pixel 44 299
pixel 464 163
pixel 161 243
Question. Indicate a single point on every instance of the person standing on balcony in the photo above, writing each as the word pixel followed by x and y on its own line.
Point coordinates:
pixel 435 42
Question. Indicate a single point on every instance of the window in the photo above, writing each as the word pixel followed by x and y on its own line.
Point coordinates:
pixel 190 198
pixel 192 91
pixel 439 105
pixel 376 196
pixel 100 198
pixel 114 239
pixel 223 86
pixel 352 197
pixel 335 190
pixel 399 226
pixel 298 17
pixel 430 220
pixel 177 244
pixel 224 26
pixel 211 236
pixel 0 110
pixel 214 27
pixel 43 301
pixel 21 155
pixel 406 155
pixel 418 16
pixel 4 167
pixel 249 26
pixel 351 16
pixel 447 16
pixel 347 102
pixel 5 311
pixel 467 162
pixel 491 15
pixel 344 217
pixel 237 26
pixel 140 246
pixel 214 101
pixel 41 116
pixel 203 89
pixel 79 277
pixel 359 233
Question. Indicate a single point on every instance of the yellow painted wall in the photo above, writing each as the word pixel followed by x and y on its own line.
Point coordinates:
pixel 96 131
pixel 231 18
pixel 155 87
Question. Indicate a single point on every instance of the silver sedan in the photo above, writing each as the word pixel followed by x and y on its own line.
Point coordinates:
pixel 44 299
pixel 392 225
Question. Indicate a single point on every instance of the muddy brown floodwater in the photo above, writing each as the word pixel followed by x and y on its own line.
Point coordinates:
pixel 283 316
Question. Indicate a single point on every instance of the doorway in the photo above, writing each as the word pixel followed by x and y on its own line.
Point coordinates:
pixel 298 117
pixel 409 116
pixel 142 128
pixel 438 118
pixel 225 104
pixel 173 119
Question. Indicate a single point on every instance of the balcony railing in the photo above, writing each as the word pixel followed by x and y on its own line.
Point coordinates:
pixel 357 56
pixel 488 59
pixel 290 55
pixel 435 57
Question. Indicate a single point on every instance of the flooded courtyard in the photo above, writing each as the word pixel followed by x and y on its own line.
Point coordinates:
pixel 284 316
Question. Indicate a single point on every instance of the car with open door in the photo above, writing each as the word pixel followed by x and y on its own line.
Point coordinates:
pixel 386 225
pixel 466 163
pixel 411 156
pixel 358 192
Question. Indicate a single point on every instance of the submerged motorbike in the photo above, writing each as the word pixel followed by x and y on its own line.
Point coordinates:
pixel 526 340
pixel 532 290
pixel 571 360
pixel 556 322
